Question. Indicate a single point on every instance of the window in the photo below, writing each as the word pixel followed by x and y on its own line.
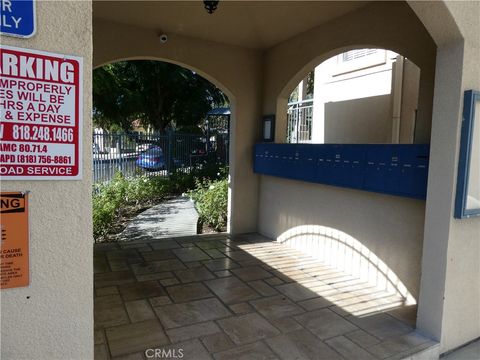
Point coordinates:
pixel 355 60
pixel 356 54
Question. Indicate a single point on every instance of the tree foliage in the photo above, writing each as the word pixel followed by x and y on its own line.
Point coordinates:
pixel 310 81
pixel 158 93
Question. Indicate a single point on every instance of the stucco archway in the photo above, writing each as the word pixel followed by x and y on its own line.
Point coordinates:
pixel 222 65
pixel 214 81
pixel 226 91
pixel 377 25
pixel 424 96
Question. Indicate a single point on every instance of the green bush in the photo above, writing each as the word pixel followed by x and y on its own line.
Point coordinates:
pixel 147 189
pixel 110 199
pixel 211 199
pixel 107 199
pixel 184 182
pixel 181 182
pixel 104 212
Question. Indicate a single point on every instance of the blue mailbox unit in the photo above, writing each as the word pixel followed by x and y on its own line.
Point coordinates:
pixel 400 170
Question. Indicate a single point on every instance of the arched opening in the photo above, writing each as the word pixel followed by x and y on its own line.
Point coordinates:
pixel 160 131
pixel 360 96
pixel 104 61
pixel 411 87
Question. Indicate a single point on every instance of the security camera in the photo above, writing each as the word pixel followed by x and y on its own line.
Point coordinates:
pixel 163 38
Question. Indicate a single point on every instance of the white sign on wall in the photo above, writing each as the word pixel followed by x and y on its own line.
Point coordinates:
pixel 40 115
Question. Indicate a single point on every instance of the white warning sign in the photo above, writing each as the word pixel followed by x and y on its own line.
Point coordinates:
pixel 40 115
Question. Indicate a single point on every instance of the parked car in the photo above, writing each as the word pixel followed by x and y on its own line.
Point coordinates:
pixel 151 159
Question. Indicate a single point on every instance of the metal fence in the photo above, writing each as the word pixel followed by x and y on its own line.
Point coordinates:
pixel 300 116
pixel 135 154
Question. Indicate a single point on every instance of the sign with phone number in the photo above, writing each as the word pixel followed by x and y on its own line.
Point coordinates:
pixel 40 115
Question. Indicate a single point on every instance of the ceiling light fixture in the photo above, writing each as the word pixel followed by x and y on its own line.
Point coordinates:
pixel 211 6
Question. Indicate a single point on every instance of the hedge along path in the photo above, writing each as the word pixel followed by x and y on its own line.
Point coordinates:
pixel 174 217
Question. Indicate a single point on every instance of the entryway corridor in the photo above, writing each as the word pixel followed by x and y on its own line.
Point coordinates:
pixel 212 297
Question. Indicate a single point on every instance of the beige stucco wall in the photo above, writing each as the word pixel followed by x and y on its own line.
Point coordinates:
pixel 359 121
pixel 237 71
pixel 53 317
pixel 452 252
pixel 389 227
pixel 450 295
pixel 410 89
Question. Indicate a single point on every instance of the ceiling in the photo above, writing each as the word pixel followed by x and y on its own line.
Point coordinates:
pixel 253 24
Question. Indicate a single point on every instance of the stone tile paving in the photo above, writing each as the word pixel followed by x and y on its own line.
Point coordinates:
pixel 213 297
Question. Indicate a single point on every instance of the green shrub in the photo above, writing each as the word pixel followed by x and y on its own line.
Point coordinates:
pixel 184 182
pixel 107 199
pixel 211 199
pixel 111 198
pixel 211 170
pixel 147 189
pixel 104 212
pixel 181 182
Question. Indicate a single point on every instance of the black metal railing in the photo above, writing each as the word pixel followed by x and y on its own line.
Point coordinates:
pixel 139 154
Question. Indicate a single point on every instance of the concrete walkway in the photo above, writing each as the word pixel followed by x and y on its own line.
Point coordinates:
pixel 175 217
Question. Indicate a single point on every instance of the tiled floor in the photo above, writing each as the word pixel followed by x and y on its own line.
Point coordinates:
pixel 205 297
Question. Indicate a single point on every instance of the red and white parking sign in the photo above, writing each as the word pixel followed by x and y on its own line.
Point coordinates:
pixel 40 115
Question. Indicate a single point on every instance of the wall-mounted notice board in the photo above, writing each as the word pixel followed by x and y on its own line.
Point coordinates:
pixel 394 169
pixel 467 202
pixel 14 253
